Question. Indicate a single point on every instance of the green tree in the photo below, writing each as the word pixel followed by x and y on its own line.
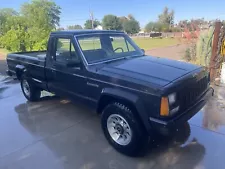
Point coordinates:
pixel 29 30
pixel 72 27
pixel 156 27
pixel 5 15
pixel 111 22
pixel 88 24
pixel 150 26
pixel 123 19
pixel 16 39
pixel 42 17
pixel 42 13
pixel 167 17
pixel 131 26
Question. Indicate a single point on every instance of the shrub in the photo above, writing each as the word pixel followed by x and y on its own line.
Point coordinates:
pixel 204 48
pixel 187 54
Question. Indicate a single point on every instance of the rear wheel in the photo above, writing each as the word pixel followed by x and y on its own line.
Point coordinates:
pixel 123 130
pixel 31 92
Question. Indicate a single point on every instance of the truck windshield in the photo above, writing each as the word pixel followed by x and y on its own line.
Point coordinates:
pixel 105 47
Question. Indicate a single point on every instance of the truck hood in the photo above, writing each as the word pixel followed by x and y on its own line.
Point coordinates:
pixel 155 70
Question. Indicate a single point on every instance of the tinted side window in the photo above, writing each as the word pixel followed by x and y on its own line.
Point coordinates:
pixel 65 50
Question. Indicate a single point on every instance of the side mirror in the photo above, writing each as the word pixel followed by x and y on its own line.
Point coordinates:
pixel 143 51
pixel 73 64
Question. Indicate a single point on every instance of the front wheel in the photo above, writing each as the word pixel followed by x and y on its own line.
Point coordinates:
pixel 31 92
pixel 123 130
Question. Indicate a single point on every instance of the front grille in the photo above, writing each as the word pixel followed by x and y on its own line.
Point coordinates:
pixel 189 94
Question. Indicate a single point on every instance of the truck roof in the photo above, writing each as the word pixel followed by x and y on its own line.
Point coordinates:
pixel 84 31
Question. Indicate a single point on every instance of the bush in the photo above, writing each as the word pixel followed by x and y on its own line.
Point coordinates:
pixel 187 55
pixel 204 48
pixel 200 53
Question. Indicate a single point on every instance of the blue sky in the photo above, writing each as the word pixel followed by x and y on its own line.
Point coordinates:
pixel 77 11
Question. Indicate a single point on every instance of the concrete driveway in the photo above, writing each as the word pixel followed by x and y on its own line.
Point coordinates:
pixel 55 133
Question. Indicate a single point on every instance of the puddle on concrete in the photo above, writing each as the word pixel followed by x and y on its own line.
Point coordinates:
pixel 3 77
pixel 212 116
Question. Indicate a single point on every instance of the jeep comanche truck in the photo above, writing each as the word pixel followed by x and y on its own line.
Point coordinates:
pixel 135 94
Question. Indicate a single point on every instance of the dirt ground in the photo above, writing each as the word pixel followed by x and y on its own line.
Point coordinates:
pixel 172 52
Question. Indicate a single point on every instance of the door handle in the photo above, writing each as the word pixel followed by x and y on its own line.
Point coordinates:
pixel 92 84
pixel 76 68
pixel 53 70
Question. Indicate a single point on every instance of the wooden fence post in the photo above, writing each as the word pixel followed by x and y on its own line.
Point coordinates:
pixel 214 51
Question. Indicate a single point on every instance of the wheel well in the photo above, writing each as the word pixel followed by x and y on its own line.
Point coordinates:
pixel 19 73
pixel 106 99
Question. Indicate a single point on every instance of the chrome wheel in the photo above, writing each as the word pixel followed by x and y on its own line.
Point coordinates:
pixel 26 88
pixel 119 129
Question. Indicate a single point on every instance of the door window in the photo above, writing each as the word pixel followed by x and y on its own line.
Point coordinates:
pixel 65 50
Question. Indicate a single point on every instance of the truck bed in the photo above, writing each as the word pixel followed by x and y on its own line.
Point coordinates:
pixel 33 62
pixel 34 54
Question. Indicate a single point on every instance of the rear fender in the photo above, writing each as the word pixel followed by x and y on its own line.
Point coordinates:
pixel 20 70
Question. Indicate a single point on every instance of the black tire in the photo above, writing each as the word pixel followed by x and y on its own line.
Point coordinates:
pixel 139 137
pixel 35 93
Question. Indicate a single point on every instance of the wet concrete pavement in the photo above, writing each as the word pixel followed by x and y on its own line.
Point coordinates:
pixel 55 133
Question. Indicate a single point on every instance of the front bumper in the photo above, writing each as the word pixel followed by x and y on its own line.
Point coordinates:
pixel 158 124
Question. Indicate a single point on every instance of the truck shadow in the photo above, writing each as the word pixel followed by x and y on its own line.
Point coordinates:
pixel 177 151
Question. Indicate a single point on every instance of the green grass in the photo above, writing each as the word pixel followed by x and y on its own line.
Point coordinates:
pixel 151 43
pixel 143 43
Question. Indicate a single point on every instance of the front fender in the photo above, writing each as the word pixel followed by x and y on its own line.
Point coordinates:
pixel 132 98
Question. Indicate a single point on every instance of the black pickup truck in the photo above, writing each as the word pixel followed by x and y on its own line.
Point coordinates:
pixel 136 95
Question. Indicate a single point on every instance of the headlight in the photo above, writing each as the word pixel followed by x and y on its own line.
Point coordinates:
pixel 172 98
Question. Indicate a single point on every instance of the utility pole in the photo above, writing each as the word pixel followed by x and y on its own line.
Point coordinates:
pixel 92 18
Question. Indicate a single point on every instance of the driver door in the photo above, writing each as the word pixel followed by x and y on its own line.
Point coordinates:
pixel 67 80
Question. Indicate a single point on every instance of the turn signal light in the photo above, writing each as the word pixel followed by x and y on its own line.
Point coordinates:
pixel 164 108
